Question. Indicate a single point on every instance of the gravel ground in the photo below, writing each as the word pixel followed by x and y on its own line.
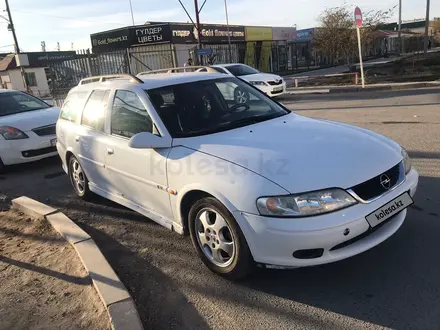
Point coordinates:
pixel 44 285
pixel 395 285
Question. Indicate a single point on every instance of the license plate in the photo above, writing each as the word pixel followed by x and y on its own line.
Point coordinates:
pixel 277 89
pixel 53 142
pixel 388 210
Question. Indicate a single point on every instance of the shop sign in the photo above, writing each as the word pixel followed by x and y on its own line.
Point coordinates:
pixel 283 33
pixel 187 33
pixel 129 37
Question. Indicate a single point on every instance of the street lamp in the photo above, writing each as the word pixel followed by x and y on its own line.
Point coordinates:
pixel 131 10
pixel 229 34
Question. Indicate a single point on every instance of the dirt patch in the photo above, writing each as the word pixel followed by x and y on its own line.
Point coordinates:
pixel 44 285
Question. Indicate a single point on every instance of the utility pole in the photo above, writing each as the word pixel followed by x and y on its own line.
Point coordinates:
pixel 11 27
pixel 199 33
pixel 427 26
pixel 43 46
pixel 17 48
pixel 400 28
pixel 229 35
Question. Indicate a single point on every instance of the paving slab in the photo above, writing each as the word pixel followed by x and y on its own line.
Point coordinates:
pixel 124 315
pixel 107 283
pixel 32 208
pixel 70 231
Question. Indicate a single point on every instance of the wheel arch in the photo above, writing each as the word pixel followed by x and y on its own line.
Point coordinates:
pixel 191 195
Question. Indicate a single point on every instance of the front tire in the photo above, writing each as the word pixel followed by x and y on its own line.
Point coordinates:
pixel 78 179
pixel 219 240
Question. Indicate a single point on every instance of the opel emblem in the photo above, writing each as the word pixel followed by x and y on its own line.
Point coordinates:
pixel 385 181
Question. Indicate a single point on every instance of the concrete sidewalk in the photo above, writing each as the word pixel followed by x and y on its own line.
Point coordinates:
pixel 358 88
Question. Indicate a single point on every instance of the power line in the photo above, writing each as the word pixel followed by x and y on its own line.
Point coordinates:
pixel 62 17
pixel 5 46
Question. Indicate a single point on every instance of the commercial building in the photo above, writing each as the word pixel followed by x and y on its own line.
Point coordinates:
pixel 157 45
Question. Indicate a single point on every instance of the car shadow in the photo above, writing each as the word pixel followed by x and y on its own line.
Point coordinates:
pixel 160 303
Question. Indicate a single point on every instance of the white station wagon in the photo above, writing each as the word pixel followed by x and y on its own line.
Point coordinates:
pixel 252 183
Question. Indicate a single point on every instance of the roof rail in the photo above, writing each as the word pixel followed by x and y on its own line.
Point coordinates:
pixel 185 69
pixel 106 77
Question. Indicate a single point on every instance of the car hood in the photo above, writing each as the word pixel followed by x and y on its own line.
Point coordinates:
pixel 302 154
pixel 26 121
pixel 260 77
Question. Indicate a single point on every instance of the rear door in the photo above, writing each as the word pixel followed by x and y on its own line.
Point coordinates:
pixel 91 138
pixel 137 175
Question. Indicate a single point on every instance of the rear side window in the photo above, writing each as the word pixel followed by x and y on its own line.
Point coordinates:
pixel 94 112
pixel 73 106
pixel 129 115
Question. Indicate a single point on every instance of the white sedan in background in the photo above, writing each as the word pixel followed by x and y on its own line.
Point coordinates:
pixel 27 128
pixel 270 84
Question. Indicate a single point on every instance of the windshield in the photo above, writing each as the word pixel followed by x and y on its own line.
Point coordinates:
pixel 241 70
pixel 211 106
pixel 16 102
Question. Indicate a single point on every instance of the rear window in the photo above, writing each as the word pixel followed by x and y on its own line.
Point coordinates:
pixel 73 106
pixel 94 112
pixel 17 102
pixel 241 70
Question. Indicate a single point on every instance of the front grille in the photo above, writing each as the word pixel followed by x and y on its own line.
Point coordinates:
pixel 275 83
pixel 45 130
pixel 38 152
pixel 373 188
pixel 277 92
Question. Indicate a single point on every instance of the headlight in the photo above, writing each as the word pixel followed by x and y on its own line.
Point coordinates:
pixel 302 205
pixel 257 83
pixel 406 161
pixel 12 133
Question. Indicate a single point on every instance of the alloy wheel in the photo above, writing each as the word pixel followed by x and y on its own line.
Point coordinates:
pixel 215 237
pixel 241 97
pixel 78 177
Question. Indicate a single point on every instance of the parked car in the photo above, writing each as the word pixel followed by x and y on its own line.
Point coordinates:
pixel 271 84
pixel 27 128
pixel 252 183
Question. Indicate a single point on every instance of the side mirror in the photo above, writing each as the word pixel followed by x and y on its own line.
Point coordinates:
pixel 147 140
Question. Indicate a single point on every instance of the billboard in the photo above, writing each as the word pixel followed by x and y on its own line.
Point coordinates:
pixel 283 33
pixel 304 35
pixel 130 36
pixel 187 33
pixel 258 33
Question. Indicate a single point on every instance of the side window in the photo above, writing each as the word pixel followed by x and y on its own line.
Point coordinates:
pixel 219 70
pixel 73 106
pixel 129 115
pixel 94 112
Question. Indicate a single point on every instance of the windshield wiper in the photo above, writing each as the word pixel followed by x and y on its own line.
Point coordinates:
pixel 248 120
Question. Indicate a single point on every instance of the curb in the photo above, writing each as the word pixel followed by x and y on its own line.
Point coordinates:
pixel 112 292
pixel 363 90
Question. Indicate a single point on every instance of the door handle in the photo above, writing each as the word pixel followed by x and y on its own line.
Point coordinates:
pixel 110 151
pixel 77 138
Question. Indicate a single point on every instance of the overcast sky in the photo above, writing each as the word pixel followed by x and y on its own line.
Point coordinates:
pixel 72 21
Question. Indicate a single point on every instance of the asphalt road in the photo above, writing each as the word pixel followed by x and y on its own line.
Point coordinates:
pixel 395 285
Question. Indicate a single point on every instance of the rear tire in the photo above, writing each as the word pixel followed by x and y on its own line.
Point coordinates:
pixel 218 239
pixel 78 179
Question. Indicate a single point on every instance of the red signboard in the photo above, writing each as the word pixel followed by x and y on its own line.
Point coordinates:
pixel 358 17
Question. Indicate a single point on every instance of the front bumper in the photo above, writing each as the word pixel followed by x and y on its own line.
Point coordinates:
pixel 273 241
pixel 27 150
pixel 273 91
